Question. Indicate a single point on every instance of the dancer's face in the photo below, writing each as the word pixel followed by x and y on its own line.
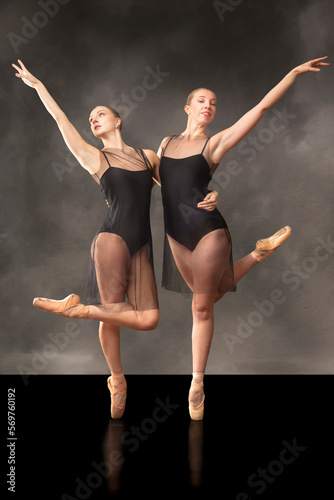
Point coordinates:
pixel 102 121
pixel 202 107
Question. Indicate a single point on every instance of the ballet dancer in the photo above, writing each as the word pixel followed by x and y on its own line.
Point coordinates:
pixel 199 241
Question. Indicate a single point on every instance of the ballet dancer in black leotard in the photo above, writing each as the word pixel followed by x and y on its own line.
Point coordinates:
pixel 121 261
pixel 200 241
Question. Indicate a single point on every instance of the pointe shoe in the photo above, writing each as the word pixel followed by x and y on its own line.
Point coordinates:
pixel 116 411
pixel 69 307
pixel 196 412
pixel 267 246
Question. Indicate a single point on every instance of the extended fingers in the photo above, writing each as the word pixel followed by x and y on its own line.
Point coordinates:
pixel 207 205
pixel 20 69
pixel 22 65
pixel 207 199
pixel 317 62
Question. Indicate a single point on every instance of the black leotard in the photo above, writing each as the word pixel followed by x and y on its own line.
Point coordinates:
pixel 184 183
pixel 128 193
pixel 126 180
pixel 185 172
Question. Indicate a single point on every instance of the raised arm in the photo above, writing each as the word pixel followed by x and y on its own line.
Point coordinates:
pixel 88 156
pixel 227 139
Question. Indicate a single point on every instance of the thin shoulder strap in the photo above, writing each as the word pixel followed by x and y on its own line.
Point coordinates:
pixel 164 149
pixel 205 145
pixel 145 158
pixel 95 176
pixel 106 157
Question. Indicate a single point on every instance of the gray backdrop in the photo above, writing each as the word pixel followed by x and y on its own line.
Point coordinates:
pixel 144 57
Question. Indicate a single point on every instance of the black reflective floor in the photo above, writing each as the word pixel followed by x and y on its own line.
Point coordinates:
pixel 263 437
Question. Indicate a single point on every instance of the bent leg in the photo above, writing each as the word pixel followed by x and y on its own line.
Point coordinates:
pixel 116 273
pixel 142 291
pixel 112 290
pixel 240 269
pixel 264 248
pixel 243 266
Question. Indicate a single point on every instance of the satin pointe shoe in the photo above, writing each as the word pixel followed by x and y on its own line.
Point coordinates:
pixel 69 307
pixel 267 246
pixel 117 388
pixel 196 412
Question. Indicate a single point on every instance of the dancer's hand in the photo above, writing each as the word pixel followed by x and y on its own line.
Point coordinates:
pixel 313 65
pixel 25 75
pixel 210 201
pixel 88 156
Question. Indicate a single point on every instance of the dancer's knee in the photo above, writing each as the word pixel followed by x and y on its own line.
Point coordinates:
pixel 202 310
pixel 149 320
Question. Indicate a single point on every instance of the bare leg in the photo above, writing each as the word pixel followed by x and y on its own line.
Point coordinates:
pixel 114 270
pixel 115 279
pixel 124 314
pixel 202 305
pixel 202 269
pixel 116 273
pixel 207 272
pixel 264 248
pixel 183 260
pixel 240 269
pixel 112 290
pixel 202 331
pixel 111 346
pixel 209 261
pixel 110 343
pixel 203 275
pixel 243 266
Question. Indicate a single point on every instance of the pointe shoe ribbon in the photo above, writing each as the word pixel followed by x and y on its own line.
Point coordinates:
pixel 267 246
pixel 196 412
pixel 69 307
pixel 116 411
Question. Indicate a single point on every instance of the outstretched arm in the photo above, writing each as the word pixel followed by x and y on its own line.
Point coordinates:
pixel 88 156
pixel 222 142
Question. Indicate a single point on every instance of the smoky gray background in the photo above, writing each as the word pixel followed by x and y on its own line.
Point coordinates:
pixel 91 53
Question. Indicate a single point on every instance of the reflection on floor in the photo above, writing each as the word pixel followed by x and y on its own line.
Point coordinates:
pixel 261 437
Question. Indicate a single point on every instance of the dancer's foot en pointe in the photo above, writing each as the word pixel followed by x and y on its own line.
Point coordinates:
pixel 118 392
pixel 196 397
pixel 267 246
pixel 69 307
